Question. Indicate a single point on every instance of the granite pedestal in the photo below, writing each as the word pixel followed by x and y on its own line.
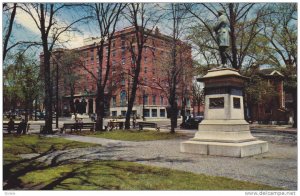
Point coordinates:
pixel 224 131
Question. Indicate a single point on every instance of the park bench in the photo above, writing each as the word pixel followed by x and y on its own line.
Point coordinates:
pixel 114 125
pixel 148 124
pixel 5 127
pixel 78 126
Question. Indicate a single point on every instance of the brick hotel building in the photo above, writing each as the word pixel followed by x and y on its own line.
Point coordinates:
pixel 150 96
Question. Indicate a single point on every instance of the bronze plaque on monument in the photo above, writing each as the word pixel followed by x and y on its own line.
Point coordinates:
pixel 236 102
pixel 215 103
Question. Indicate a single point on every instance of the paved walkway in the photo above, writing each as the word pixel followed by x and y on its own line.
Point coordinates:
pixel 278 167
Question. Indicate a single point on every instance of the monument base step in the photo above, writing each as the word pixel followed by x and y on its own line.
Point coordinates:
pixel 243 149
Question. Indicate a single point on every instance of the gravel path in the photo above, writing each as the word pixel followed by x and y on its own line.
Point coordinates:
pixel 278 167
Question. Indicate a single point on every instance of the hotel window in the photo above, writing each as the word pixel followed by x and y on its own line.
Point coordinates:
pixel 147 112
pixel 123 43
pixel 145 81
pixel 154 100
pixel 145 59
pixel 154 112
pixel 123 50
pixel 123 81
pixel 161 100
pixel 122 36
pixel 145 69
pixel 114 53
pixel 162 112
pixel 123 61
pixel 153 71
pixel 113 44
pixel 114 101
pixel 146 99
pixel 123 98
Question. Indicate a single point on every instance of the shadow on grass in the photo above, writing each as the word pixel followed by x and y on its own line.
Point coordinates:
pixel 12 172
pixel 77 170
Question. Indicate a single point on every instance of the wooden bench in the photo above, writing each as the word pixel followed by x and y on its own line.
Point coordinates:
pixel 5 127
pixel 78 126
pixel 115 125
pixel 148 124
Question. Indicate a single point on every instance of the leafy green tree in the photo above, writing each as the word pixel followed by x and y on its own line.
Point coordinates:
pixel 21 82
pixel 257 90
pixel 280 32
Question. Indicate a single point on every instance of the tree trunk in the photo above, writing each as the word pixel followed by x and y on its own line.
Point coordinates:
pixel 35 108
pixel 47 76
pixel 48 93
pixel 294 94
pixel 173 117
pixel 131 102
pixel 134 88
pixel 183 114
pixel 100 109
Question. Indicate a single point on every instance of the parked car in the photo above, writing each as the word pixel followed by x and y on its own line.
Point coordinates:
pixel 191 122
pixel 39 115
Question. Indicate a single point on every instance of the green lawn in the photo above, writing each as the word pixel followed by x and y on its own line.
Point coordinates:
pixel 121 175
pixel 133 135
pixel 73 174
pixel 13 145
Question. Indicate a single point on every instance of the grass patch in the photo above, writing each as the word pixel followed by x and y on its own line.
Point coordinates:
pixel 97 175
pixel 134 135
pixel 13 145
pixel 121 175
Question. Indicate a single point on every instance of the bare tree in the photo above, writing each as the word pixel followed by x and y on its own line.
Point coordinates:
pixel 144 22
pixel 8 32
pixel 106 16
pixel 51 30
pixel 175 66
pixel 243 19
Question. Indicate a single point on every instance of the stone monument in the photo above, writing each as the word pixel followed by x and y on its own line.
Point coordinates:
pixel 224 131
